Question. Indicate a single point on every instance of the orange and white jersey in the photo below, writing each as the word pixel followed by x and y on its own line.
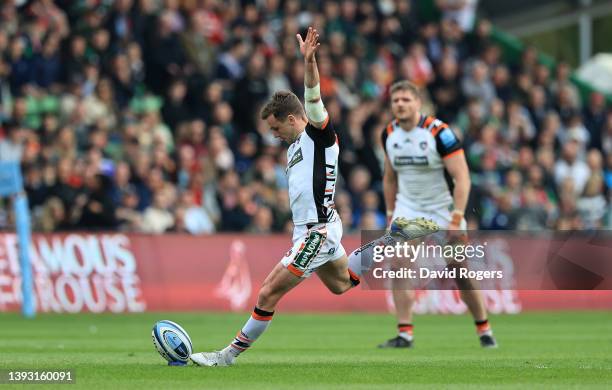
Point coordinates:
pixel 417 156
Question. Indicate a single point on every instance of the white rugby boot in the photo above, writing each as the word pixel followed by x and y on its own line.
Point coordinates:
pixel 213 359
pixel 409 229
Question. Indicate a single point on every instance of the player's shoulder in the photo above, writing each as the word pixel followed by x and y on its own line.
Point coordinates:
pixel 432 124
pixel 326 125
pixel 389 128
pixel 323 135
pixel 387 131
pixel 447 142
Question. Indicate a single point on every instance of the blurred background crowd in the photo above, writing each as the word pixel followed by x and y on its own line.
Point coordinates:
pixel 142 115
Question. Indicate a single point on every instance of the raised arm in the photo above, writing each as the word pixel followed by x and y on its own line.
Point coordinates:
pixel 315 110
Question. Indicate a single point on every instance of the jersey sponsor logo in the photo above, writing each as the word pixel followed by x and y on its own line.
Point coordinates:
pixel 311 249
pixel 410 160
pixel 448 138
pixel 296 158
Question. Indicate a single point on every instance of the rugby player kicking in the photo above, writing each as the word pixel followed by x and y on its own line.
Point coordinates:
pixel 312 170
pixel 418 149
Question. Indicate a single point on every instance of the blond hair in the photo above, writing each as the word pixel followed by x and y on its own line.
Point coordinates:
pixel 405 85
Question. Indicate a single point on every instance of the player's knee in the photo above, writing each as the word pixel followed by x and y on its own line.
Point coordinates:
pixel 267 296
pixel 338 290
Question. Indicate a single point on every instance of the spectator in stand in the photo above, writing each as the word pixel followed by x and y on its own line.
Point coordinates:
pixel 538 107
pixel 505 217
pixel 592 204
pixel 230 66
pixel 253 87
pixel 175 111
pixel 262 221
pixel 562 80
pixel 418 67
pixel 478 84
pixel 190 217
pixel 95 209
pixel 570 166
pixel 157 218
pixel 594 114
pixel 446 91
pixel 501 82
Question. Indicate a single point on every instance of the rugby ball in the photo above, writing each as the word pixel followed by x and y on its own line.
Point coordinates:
pixel 172 342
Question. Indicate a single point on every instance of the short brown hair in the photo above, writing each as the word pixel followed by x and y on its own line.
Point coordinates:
pixel 405 85
pixel 282 104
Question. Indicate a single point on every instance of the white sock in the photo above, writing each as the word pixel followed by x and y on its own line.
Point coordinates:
pixel 361 259
pixel 254 327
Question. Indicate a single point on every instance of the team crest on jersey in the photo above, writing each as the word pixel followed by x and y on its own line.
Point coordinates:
pixel 296 158
pixel 423 145
pixel 410 160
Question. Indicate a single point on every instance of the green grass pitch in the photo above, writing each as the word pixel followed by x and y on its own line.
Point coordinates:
pixel 308 351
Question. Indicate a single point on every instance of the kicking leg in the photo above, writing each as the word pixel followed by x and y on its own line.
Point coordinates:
pixel 279 282
pixel 337 276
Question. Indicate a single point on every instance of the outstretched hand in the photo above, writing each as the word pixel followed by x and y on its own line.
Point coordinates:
pixel 309 45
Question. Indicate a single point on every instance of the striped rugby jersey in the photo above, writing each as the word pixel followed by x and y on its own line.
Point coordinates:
pixel 312 171
pixel 417 157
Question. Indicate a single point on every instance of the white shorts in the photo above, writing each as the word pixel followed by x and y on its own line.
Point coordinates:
pixel 441 216
pixel 314 247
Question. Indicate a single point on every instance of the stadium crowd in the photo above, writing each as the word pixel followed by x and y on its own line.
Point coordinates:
pixel 143 115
